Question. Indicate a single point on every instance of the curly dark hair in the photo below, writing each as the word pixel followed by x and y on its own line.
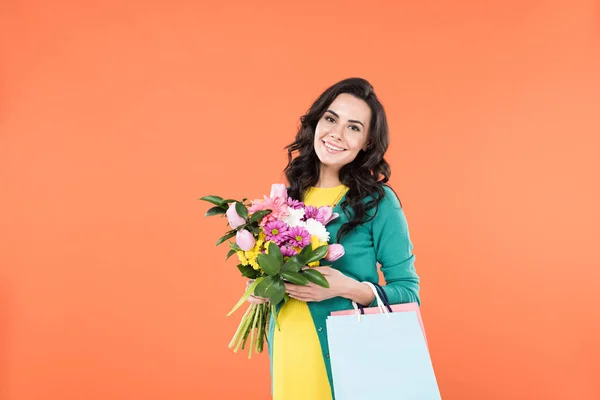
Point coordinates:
pixel 364 176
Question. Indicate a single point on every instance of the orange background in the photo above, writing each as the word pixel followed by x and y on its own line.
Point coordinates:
pixel 115 118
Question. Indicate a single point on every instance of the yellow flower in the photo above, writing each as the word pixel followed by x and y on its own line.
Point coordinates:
pixel 316 242
pixel 261 237
pixel 242 258
pixel 251 255
pixel 255 264
pixel 267 246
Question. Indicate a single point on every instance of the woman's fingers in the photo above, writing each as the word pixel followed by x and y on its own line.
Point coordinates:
pixel 256 300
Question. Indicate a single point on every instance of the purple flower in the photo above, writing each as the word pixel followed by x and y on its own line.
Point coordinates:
pixel 244 239
pixel 298 237
pixel 295 204
pixel 232 216
pixel 276 231
pixel 310 212
pixel 334 252
pixel 326 215
pixel 288 251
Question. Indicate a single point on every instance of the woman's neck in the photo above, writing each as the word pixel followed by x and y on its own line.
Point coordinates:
pixel 328 178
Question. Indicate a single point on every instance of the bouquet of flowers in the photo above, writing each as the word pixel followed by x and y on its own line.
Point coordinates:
pixel 276 239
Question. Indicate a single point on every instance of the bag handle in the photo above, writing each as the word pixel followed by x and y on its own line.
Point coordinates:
pixel 383 294
pixel 377 290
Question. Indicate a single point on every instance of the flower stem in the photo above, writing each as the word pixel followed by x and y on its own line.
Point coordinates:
pixel 245 330
pixel 252 330
pixel 239 330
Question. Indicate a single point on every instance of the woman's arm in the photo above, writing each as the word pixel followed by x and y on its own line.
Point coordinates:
pixel 393 250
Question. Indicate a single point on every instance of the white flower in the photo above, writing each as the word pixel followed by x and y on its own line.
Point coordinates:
pixel 315 228
pixel 294 218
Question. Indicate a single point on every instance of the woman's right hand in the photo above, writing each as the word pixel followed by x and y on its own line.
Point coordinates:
pixel 255 299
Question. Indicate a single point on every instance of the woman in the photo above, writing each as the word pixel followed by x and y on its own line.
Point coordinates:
pixel 341 145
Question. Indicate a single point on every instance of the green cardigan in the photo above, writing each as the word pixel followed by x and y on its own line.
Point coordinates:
pixel 384 240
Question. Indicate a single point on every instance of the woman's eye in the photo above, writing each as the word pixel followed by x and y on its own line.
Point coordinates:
pixel 329 119
pixel 355 128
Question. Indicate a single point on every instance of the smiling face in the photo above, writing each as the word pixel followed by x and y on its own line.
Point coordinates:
pixel 342 131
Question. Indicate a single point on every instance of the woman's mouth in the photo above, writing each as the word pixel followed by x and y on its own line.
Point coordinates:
pixel 332 149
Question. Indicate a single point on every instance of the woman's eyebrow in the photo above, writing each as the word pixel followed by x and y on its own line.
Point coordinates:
pixel 350 120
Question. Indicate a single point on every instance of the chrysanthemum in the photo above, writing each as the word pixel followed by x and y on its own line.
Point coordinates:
pixel 310 212
pixel 298 236
pixel 317 229
pixel 294 217
pixel 288 251
pixel 276 231
pixel 294 204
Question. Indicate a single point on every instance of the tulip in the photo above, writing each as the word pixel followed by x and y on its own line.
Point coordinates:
pixel 233 217
pixel 334 252
pixel 278 190
pixel 245 240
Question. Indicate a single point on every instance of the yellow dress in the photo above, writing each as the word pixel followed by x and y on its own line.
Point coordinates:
pixel 298 366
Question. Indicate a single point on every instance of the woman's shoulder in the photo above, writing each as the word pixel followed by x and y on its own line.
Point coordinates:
pixel 389 198
pixel 387 202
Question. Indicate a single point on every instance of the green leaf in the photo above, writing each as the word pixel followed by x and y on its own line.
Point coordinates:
pixel 229 201
pixel 272 287
pixel 298 259
pixel 214 211
pixel 275 251
pixel 257 216
pixel 216 200
pixel 294 277
pixel 305 252
pixel 230 253
pixel 317 254
pixel 241 210
pixel 291 265
pixel 228 235
pixel 248 271
pixel 234 246
pixel 254 228
pixel 264 284
pixel 316 277
pixel 247 294
pixel 279 294
pixel 269 264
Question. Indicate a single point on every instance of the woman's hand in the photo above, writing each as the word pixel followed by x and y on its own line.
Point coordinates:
pixel 255 299
pixel 339 285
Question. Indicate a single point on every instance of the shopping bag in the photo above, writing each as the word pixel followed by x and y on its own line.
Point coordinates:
pixel 380 353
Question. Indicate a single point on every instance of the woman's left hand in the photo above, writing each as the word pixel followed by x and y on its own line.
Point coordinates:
pixel 339 285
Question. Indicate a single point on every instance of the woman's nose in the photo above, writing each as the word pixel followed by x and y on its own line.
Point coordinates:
pixel 335 133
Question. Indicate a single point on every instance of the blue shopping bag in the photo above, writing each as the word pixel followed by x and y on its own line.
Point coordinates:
pixel 380 353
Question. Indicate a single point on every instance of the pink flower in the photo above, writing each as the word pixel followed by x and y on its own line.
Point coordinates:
pixel 295 204
pixel 326 215
pixel 276 231
pixel 233 217
pixel 310 212
pixel 298 237
pixel 334 252
pixel 278 190
pixel 288 251
pixel 277 205
pixel 245 240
